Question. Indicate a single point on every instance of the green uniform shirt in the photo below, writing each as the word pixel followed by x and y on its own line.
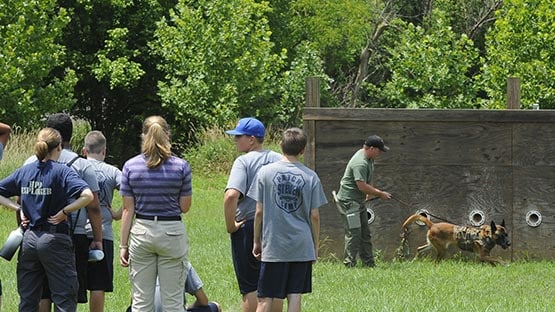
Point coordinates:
pixel 359 168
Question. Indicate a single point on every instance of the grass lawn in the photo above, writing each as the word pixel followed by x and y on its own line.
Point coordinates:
pixel 410 286
pixel 453 285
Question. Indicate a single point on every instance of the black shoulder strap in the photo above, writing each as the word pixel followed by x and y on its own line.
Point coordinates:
pixel 72 161
pixel 73 224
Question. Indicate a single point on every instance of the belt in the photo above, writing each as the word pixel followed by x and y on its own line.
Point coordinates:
pixel 59 228
pixel 158 218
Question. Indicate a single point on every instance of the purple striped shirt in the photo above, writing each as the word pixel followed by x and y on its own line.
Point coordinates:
pixel 157 190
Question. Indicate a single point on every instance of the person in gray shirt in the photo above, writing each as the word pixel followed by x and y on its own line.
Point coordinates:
pixel 239 209
pixel 286 224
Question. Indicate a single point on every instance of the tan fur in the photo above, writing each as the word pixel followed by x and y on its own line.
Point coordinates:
pixel 478 240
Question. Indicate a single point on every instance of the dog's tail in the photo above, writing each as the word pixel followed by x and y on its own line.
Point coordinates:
pixel 417 217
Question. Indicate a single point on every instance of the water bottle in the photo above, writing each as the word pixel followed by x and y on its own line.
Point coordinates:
pixel 12 243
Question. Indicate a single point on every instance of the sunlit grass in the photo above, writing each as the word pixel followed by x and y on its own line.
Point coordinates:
pixel 453 285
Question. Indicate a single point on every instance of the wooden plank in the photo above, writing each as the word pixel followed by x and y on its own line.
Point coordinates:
pixel 456 143
pixel 426 115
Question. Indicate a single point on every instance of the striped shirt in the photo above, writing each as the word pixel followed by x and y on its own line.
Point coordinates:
pixel 156 190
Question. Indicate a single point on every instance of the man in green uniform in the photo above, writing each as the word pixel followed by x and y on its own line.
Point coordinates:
pixel 354 190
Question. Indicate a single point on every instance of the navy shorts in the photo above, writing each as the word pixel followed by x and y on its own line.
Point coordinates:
pixel 81 249
pixel 100 275
pixel 278 279
pixel 245 264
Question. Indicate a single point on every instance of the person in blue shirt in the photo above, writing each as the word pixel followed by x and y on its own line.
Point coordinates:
pixel 49 191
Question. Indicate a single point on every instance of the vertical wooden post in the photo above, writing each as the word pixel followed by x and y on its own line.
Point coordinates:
pixel 312 100
pixel 513 93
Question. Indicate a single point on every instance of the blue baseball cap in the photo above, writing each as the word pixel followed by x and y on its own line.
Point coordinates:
pixel 248 126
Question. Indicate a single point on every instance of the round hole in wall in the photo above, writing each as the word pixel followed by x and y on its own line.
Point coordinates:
pixel 424 213
pixel 477 217
pixel 371 215
pixel 533 218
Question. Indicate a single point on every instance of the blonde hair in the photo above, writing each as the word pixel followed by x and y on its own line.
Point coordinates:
pixel 156 141
pixel 47 140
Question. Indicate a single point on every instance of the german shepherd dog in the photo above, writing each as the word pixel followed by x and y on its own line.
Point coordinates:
pixel 480 241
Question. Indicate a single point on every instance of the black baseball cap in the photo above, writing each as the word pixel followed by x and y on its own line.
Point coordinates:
pixel 376 141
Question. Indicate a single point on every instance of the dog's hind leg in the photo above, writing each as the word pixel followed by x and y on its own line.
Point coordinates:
pixel 422 248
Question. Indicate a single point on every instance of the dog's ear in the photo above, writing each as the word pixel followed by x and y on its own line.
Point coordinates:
pixel 503 223
pixel 493 227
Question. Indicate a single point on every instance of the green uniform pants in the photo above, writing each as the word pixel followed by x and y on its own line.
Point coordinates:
pixel 358 241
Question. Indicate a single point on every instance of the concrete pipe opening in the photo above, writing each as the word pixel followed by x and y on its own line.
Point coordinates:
pixel 533 218
pixel 424 213
pixel 477 217
pixel 371 215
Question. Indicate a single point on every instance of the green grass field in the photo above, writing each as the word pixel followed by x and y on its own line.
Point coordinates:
pixel 453 285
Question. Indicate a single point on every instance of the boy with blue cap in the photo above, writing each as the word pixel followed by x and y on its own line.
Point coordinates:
pixel 239 209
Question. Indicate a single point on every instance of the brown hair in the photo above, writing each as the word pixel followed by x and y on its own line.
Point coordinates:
pixel 156 141
pixel 47 140
pixel 293 141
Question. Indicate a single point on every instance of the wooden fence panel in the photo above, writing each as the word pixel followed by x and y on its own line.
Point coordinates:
pixel 455 164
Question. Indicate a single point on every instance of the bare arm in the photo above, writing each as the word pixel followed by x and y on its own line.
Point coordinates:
pixel 5 131
pixel 185 203
pixel 231 198
pixel 8 203
pixel 84 199
pixel 126 222
pixel 257 240
pixel 95 217
pixel 315 221
pixel 201 299
pixel 372 191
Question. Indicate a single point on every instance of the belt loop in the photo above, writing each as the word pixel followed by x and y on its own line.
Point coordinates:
pixel 155 218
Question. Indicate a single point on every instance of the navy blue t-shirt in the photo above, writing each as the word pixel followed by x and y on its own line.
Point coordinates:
pixel 44 189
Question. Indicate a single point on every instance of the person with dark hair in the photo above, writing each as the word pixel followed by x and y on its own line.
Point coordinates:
pixel 286 225
pixel 101 273
pixel 156 188
pixel 64 125
pixel 355 188
pixel 49 192
pixel 239 209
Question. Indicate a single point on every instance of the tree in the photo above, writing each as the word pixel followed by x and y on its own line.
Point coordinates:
pixel 521 44
pixel 30 55
pixel 429 67
pixel 218 62
pixel 107 46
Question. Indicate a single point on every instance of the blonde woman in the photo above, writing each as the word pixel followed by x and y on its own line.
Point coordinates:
pixel 156 188
pixel 49 191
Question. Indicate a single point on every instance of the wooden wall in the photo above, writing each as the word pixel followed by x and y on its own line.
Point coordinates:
pixel 448 162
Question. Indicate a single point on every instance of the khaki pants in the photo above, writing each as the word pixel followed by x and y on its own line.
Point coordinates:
pixel 158 249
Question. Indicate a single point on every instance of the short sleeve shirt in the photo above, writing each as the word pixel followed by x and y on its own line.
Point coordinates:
pixel 156 190
pixel 109 179
pixel 242 175
pixel 359 168
pixel 44 189
pixel 288 193
pixel 84 169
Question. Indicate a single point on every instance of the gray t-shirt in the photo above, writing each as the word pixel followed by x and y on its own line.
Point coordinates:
pixel 242 175
pixel 288 193
pixel 109 179
pixel 85 170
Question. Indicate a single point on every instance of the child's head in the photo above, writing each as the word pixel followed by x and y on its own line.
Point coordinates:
pixel 293 141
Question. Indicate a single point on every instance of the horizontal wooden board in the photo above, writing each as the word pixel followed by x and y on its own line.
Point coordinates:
pixel 451 163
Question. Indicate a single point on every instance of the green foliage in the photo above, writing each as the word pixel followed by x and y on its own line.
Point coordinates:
pixel 217 151
pixel 429 67
pixel 29 54
pixel 218 62
pixel 115 61
pixel 521 45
